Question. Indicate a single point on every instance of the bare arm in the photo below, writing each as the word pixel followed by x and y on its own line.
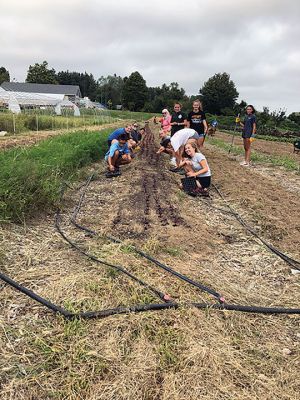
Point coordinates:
pixel 204 169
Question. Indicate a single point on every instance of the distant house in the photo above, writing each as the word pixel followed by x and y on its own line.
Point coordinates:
pixel 70 92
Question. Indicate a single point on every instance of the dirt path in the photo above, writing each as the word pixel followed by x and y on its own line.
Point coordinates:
pixel 263 146
pixel 173 355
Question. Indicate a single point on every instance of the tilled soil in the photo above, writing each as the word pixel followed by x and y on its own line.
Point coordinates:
pixel 175 354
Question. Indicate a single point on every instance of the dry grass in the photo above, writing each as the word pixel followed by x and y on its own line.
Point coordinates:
pixel 171 355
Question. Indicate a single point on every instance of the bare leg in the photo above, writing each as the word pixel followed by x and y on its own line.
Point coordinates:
pixel 247 147
pixel 114 159
pixel 200 142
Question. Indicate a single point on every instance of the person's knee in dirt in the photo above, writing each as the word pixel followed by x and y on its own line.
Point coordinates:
pixel 118 154
pixel 196 165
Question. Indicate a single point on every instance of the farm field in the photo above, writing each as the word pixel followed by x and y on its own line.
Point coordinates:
pixel 175 354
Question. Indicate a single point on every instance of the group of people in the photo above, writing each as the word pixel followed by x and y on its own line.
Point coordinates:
pixel 182 137
pixel 122 144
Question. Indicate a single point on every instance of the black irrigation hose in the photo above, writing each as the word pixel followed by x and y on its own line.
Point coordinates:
pixel 173 272
pixel 34 296
pixel 162 296
pixel 292 262
pixel 144 307
pixel 143 254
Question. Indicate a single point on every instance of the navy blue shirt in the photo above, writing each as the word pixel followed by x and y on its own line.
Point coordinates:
pixel 249 121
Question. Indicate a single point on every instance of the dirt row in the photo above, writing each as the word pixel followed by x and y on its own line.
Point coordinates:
pixel 173 355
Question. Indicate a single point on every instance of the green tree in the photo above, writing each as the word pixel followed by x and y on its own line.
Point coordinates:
pixel 86 82
pixel 219 92
pixel 278 116
pixel 164 97
pixel 110 87
pixel 135 92
pixel 239 108
pixel 40 73
pixel 4 75
pixel 295 117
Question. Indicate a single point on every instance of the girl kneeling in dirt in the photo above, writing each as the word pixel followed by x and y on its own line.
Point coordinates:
pixel 195 165
pixel 118 154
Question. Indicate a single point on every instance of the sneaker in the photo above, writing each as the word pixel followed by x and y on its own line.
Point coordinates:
pixel 173 162
pixel 244 164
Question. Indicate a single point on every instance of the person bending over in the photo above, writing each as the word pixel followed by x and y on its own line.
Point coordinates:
pixel 179 140
pixel 118 153
pixel 195 165
pixel 113 137
pixel 165 143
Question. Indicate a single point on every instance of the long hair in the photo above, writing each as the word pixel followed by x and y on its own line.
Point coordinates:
pixel 194 146
pixel 198 102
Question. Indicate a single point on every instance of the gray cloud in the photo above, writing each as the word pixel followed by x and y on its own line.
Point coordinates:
pixel 187 42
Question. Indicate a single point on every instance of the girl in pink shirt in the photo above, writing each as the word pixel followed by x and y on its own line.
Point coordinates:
pixel 165 121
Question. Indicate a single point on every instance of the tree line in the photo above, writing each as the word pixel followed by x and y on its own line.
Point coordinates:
pixel 218 94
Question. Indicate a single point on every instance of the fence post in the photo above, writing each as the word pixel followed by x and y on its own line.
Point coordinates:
pixel 14 124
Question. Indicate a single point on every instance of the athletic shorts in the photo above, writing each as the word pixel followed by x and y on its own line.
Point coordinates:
pixel 204 181
pixel 246 135
pixel 195 136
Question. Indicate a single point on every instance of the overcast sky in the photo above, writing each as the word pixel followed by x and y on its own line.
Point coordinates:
pixel 186 41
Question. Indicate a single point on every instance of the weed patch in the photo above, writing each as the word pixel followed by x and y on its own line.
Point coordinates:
pixel 31 178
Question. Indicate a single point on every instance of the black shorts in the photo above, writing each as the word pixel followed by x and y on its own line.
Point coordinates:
pixel 204 181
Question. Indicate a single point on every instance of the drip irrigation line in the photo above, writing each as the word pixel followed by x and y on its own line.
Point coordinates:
pixel 173 272
pixel 143 254
pixel 161 295
pixel 292 262
pixel 144 307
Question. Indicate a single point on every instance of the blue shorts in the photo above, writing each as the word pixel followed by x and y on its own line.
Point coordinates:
pixel 246 135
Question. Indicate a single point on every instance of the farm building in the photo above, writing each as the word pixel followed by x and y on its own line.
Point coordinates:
pixel 70 92
pixel 15 96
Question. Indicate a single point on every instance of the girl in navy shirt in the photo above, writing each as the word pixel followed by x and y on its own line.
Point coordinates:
pixel 249 130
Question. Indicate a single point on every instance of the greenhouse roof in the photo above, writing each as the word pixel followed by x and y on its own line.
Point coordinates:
pixel 41 88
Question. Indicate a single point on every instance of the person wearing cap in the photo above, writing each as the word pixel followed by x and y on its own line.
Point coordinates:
pixel 165 120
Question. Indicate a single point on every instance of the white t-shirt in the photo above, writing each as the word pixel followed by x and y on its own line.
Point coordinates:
pixel 197 166
pixel 181 137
